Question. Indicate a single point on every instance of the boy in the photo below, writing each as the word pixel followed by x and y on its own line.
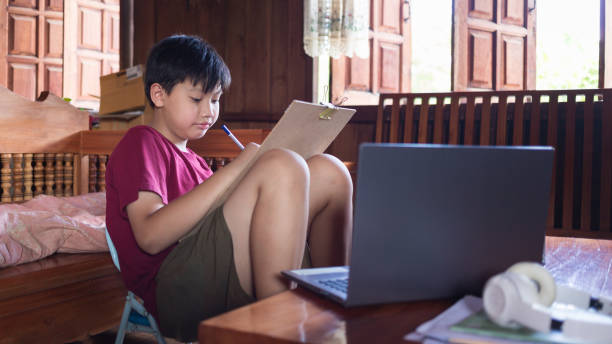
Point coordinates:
pixel 158 190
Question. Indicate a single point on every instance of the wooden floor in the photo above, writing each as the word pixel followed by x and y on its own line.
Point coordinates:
pixel 108 337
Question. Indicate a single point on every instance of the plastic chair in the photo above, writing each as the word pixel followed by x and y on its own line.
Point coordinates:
pixel 135 317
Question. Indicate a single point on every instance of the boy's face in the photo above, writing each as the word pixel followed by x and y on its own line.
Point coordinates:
pixel 187 112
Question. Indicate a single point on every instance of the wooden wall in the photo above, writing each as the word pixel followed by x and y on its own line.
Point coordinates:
pixel 260 40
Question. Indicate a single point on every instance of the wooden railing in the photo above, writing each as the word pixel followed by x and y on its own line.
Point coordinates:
pixel 577 123
pixel 26 175
pixel 97 170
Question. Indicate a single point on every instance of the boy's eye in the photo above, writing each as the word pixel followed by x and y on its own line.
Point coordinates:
pixel 215 100
pixel 197 100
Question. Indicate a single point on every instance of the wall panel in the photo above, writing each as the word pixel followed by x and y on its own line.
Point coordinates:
pixel 480 57
pixel 22 35
pixel 359 74
pixel 53 79
pixel 54 38
pixel 90 70
pixel 24 3
pixel 90 28
pixel 513 50
pixel 22 79
pixel 55 5
pixel 513 12
pixel 483 9
pixel 389 67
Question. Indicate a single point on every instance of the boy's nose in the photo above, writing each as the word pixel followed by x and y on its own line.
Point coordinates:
pixel 207 114
pixel 206 111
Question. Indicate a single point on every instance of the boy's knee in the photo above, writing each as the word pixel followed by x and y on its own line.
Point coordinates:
pixel 281 164
pixel 331 169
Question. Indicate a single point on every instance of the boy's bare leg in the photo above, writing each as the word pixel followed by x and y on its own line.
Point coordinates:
pixel 330 212
pixel 267 217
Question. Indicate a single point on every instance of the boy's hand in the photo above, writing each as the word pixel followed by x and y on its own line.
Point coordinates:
pixel 247 154
pixel 250 150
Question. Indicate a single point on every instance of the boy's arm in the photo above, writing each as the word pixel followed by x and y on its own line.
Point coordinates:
pixel 157 226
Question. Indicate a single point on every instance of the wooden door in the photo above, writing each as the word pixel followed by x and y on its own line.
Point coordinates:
pixel 388 67
pixel 91 48
pixel 31 44
pixel 493 45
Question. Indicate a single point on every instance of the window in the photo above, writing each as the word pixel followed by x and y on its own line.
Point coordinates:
pixel 431 45
pixel 567 44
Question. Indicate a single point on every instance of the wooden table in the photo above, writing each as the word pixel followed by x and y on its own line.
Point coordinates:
pixel 300 316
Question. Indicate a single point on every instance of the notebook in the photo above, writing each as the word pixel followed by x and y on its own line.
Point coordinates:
pixel 436 221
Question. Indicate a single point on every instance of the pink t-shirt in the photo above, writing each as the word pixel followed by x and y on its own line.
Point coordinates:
pixel 144 160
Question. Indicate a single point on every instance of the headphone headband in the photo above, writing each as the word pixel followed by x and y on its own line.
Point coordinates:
pixel 583 300
pixel 524 293
pixel 595 328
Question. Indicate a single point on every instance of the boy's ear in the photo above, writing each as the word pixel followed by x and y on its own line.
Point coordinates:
pixel 157 94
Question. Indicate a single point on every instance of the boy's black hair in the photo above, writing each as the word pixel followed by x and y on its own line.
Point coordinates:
pixel 177 58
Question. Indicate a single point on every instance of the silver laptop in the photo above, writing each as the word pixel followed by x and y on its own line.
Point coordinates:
pixel 436 221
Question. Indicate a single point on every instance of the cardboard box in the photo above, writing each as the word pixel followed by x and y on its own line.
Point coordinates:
pixel 122 91
pixel 121 121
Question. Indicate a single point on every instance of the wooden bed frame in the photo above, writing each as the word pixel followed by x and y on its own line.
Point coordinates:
pixel 47 147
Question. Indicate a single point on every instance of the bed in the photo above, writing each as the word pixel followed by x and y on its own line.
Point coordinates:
pixel 64 289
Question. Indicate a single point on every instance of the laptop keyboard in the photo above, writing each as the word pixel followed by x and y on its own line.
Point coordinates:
pixel 340 284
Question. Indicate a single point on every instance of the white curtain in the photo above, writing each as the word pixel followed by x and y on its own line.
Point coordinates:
pixel 336 27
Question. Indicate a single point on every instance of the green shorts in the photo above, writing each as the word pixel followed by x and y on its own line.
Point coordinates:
pixel 198 280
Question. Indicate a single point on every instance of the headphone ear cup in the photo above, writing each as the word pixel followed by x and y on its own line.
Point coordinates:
pixel 546 288
pixel 499 298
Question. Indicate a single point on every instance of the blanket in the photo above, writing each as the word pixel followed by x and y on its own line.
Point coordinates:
pixel 46 224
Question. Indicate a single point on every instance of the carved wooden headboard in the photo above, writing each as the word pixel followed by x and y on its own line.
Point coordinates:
pixel 39 146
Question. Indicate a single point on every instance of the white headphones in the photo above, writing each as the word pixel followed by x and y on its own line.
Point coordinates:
pixel 524 293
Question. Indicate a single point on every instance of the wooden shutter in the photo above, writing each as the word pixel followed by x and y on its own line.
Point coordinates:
pixel 493 45
pixel 91 48
pixel 31 41
pixel 388 67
